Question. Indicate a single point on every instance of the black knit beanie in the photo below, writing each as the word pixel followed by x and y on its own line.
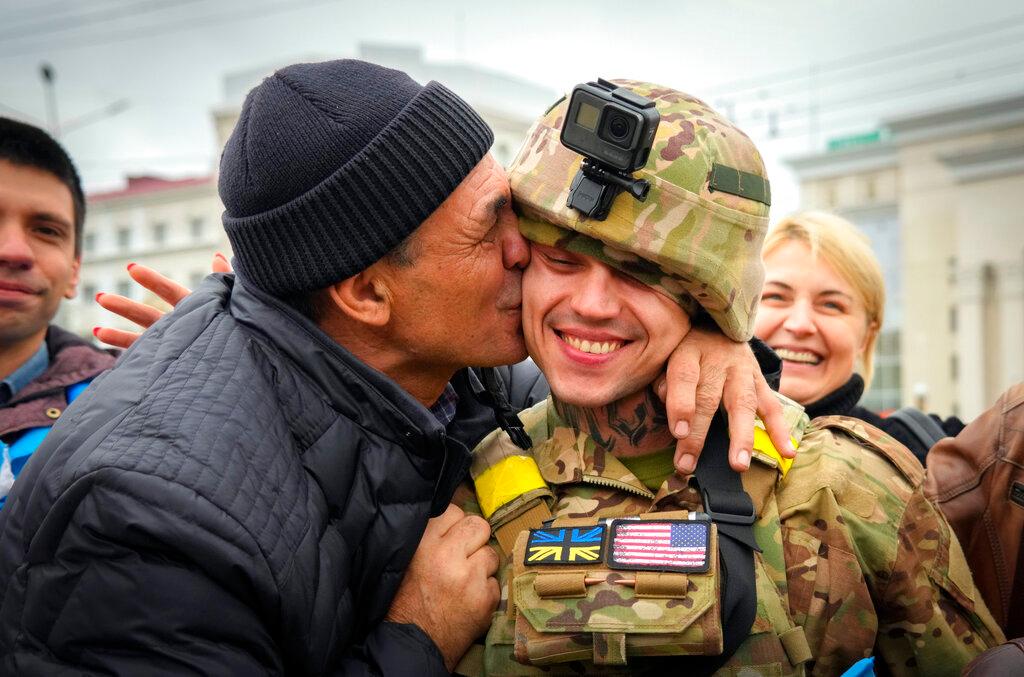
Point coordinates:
pixel 333 164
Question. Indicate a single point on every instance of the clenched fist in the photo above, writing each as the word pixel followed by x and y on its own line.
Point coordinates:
pixel 449 589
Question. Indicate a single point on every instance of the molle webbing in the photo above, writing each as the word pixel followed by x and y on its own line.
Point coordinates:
pixel 530 518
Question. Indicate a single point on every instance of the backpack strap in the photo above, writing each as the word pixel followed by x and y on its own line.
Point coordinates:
pixel 921 425
pixel 881 442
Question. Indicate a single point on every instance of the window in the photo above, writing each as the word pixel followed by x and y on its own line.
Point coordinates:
pixel 198 226
pixel 159 234
pixel 88 293
pixel 195 279
pixel 124 288
pixel 124 238
pixel 89 242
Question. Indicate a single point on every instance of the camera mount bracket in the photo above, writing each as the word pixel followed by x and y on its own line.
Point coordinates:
pixel 595 186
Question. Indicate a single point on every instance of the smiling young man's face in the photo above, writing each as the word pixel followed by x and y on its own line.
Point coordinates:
pixel 597 334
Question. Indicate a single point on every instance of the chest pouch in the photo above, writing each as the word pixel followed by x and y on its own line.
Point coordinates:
pixel 607 591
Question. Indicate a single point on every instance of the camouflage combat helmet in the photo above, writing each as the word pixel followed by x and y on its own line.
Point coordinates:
pixel 699 233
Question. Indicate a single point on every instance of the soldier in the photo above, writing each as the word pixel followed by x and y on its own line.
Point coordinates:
pixel 612 562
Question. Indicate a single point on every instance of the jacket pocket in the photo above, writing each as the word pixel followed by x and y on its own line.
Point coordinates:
pixel 604 620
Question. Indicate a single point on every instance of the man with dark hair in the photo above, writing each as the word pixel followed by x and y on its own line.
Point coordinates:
pixel 42 367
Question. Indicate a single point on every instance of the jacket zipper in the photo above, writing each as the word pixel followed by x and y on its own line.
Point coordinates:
pixel 616 484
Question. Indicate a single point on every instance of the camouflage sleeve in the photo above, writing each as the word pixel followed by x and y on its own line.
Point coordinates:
pixel 931 617
pixel 465 498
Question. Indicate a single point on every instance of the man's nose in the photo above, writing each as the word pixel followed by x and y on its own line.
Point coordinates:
pixel 800 320
pixel 515 250
pixel 15 249
pixel 595 295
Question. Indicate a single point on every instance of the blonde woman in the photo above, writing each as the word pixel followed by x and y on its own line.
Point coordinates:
pixel 821 310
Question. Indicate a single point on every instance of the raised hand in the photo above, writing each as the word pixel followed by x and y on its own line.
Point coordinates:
pixel 140 313
pixel 705 370
pixel 449 590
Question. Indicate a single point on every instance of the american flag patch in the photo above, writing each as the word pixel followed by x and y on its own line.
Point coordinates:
pixel 565 545
pixel 660 545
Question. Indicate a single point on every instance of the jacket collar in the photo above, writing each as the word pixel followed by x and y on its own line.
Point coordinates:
pixel 72 360
pixel 352 387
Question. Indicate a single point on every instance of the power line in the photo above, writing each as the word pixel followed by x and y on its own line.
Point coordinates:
pixel 72 22
pixel 858 60
pixel 901 61
pixel 787 130
pixel 36 11
pixel 20 114
pixel 169 27
pixel 875 96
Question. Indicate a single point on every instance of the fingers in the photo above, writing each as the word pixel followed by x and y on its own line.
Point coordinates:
pixel 740 402
pixel 680 389
pixel 471 532
pixel 770 410
pixel 133 311
pixel 161 285
pixel 486 559
pixel 220 264
pixel 440 525
pixel 115 337
pixel 708 396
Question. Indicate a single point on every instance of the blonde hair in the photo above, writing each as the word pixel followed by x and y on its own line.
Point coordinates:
pixel 849 252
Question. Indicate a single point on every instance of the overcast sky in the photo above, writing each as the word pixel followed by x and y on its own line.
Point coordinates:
pixel 793 73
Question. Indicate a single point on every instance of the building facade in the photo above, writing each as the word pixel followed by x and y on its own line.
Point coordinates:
pixel 172 226
pixel 941 195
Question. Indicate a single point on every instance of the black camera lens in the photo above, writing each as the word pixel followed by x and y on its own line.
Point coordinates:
pixel 618 126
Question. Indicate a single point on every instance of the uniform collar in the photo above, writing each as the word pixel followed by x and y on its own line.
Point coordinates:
pixel 570 457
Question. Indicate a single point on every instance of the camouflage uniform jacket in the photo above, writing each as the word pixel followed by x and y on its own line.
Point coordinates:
pixel 852 551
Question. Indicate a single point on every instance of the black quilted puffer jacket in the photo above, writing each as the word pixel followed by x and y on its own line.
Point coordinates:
pixel 238 496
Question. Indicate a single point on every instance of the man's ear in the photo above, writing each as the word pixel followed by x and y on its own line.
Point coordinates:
pixel 72 289
pixel 364 297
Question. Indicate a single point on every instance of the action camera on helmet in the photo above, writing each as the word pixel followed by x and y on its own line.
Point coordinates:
pixel 613 129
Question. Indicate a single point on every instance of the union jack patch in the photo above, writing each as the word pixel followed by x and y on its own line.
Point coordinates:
pixel 565 545
pixel 660 545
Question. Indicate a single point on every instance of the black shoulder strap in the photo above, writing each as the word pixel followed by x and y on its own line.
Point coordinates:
pixel 731 508
pixel 921 425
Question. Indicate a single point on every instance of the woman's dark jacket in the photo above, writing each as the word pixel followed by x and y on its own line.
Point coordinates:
pixel 843 402
pixel 239 496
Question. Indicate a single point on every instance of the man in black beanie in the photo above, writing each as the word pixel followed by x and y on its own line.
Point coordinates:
pixel 244 492
pixel 250 490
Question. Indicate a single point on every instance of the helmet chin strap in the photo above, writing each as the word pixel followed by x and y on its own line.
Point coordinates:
pixel 495 397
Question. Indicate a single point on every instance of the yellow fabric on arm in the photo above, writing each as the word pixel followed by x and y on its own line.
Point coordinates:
pixel 652 469
pixel 505 481
pixel 763 443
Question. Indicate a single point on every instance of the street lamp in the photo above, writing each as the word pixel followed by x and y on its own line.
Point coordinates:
pixel 49 75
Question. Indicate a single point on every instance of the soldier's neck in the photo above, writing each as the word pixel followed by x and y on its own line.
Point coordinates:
pixel 631 426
